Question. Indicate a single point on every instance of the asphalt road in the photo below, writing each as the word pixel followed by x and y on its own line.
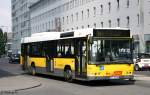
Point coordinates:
pixel 144 72
pixel 56 86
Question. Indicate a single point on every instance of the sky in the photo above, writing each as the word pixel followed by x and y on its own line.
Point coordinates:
pixel 5 15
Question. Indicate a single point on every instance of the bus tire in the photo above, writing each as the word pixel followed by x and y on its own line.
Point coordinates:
pixel 131 80
pixel 23 67
pixel 68 75
pixel 33 70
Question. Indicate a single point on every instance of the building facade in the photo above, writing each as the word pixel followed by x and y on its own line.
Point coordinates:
pixel 9 44
pixel 65 15
pixel 20 22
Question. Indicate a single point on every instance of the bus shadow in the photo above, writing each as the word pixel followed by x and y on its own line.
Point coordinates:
pixel 104 83
pixel 90 83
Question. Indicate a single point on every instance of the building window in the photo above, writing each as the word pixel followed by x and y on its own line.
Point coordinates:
pixel 138 18
pixel 118 4
pixel 67 20
pixel 128 21
pixel 46 26
pixel 101 9
pixel 49 25
pixel 109 6
pixel 82 15
pixel 77 28
pixel 82 2
pixel 128 3
pixel 82 27
pixel 94 25
pixel 71 4
pixel 102 24
pixel 138 2
pixel 67 6
pixel 76 2
pixel 72 17
pixel 109 23
pixel 76 16
pixel 63 20
pixel 94 9
pixel 43 27
pixel 118 22
pixel 52 24
pixel 88 13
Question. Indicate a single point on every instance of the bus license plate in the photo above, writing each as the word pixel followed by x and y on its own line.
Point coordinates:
pixel 114 77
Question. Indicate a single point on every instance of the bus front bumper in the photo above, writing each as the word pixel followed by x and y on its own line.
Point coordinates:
pixel 90 78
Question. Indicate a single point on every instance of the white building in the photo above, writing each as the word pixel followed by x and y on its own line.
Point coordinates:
pixel 20 21
pixel 64 15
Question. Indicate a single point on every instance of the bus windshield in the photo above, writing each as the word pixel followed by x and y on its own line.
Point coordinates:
pixel 110 51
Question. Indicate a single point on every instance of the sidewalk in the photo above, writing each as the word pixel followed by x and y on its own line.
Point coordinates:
pixel 16 83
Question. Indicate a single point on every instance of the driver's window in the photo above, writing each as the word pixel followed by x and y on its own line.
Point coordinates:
pixel 94 48
pixel 84 56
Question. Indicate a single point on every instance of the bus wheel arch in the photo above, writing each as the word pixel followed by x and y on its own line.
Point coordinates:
pixel 68 73
pixel 33 68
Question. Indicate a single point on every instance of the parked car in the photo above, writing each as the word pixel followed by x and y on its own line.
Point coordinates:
pixel 14 58
pixel 141 61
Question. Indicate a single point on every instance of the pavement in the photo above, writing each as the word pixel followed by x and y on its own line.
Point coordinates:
pixel 142 77
pixel 17 83
pixel 14 69
pixel 25 82
pixel 12 78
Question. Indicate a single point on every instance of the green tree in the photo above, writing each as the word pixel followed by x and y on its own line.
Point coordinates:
pixel 3 41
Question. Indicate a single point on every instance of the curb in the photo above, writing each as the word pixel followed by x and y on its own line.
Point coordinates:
pixel 10 88
pixel 29 87
pixel 16 90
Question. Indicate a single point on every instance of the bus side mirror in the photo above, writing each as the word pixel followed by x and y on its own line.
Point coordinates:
pixel 132 46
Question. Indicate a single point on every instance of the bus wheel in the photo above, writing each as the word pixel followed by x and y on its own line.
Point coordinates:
pixel 23 67
pixel 131 80
pixel 68 75
pixel 33 70
pixel 136 67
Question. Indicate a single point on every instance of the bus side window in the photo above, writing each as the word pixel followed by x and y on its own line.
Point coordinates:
pixel 68 52
pixel 58 51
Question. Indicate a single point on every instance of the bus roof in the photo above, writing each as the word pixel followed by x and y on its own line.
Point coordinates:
pixel 46 36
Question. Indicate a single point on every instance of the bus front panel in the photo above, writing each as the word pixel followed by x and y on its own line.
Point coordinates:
pixel 110 71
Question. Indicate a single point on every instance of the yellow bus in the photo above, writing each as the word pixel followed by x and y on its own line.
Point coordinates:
pixel 86 54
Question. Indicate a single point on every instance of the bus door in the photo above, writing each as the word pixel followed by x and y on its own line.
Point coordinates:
pixel 49 53
pixel 49 64
pixel 80 67
pixel 26 56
